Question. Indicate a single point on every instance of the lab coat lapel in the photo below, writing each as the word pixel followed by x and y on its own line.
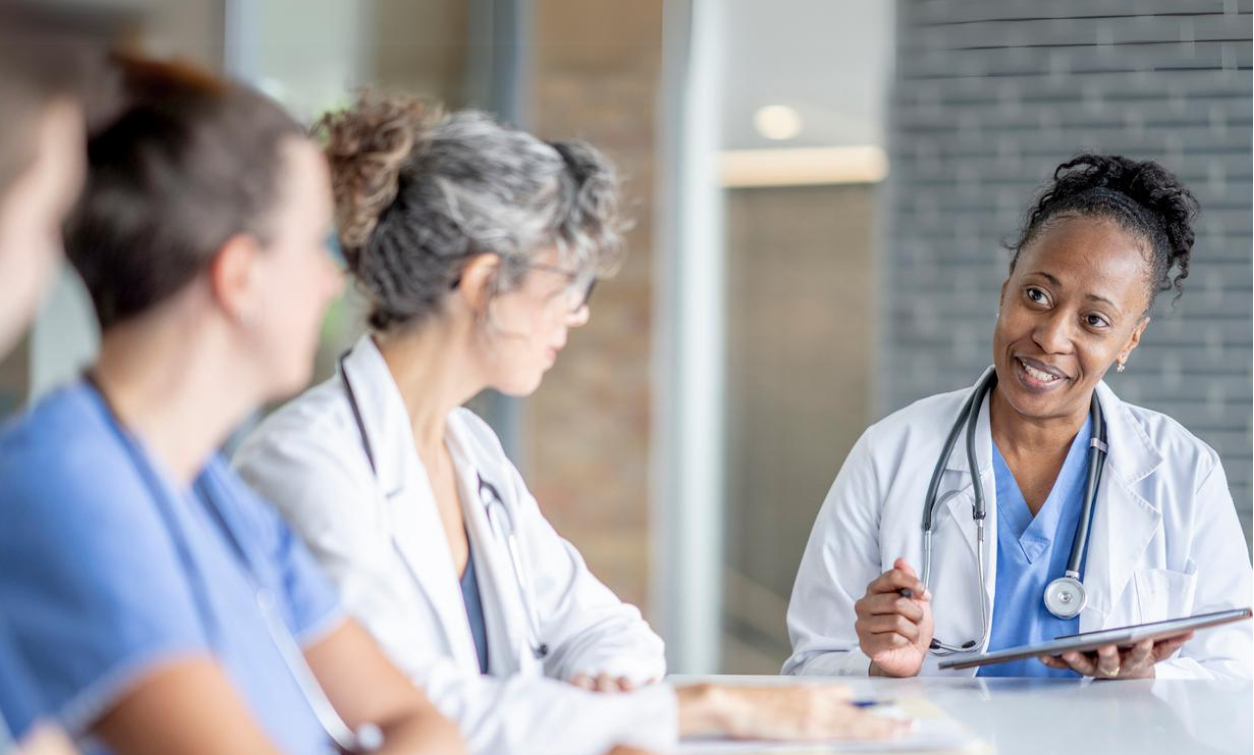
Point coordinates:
pixel 414 520
pixel 506 628
pixel 1123 521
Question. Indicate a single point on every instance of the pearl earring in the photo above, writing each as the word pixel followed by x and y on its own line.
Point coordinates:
pixel 1120 368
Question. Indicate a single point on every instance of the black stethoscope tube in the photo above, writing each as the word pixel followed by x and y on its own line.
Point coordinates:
pixel 939 471
pixel 1097 463
pixel 968 418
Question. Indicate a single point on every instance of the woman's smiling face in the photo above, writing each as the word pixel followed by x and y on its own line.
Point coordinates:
pixel 1075 303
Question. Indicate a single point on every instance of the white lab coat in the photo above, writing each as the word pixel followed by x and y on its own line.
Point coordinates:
pixel 1165 540
pixel 382 543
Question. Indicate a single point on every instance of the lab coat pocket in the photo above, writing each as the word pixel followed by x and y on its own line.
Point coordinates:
pixel 1166 593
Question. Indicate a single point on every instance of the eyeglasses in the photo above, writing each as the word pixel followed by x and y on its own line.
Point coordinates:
pixel 579 289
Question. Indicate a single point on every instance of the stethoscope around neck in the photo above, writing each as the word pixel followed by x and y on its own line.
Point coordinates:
pixel 1065 597
pixel 502 524
pixel 365 738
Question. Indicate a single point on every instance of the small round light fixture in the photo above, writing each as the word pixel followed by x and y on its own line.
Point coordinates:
pixel 777 122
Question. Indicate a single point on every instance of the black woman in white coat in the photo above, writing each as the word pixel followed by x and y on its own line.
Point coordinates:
pixel 1163 541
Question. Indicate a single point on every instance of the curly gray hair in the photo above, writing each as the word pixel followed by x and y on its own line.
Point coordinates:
pixel 419 193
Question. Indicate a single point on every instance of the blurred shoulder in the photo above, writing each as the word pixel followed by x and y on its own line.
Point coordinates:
pixel 71 482
pixel 922 420
pixel 317 416
pixel 64 450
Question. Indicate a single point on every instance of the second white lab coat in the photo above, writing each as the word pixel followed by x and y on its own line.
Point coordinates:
pixel 381 541
pixel 1165 540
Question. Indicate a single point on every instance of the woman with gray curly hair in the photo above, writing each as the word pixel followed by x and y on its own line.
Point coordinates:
pixel 477 246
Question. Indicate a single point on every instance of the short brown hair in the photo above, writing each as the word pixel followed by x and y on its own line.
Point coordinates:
pixel 190 161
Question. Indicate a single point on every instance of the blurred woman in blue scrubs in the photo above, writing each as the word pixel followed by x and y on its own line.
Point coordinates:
pixel 1101 242
pixel 161 606
pixel 41 169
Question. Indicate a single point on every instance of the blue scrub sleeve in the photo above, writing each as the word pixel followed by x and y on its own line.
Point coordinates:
pixel 20 704
pixel 93 588
pixel 312 603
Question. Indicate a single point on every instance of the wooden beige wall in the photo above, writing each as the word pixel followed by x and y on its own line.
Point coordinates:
pixel 594 68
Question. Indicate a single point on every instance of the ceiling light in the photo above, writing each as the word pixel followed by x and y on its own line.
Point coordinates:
pixel 777 122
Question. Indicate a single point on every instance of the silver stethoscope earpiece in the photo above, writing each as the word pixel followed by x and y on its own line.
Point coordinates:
pixel 1065 597
pixel 490 498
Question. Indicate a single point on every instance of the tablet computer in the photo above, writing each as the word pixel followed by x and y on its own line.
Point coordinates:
pixel 1120 636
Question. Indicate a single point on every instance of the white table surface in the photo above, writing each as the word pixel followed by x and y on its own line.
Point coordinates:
pixel 1040 716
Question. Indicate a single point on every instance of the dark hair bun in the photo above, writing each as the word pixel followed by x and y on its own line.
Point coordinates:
pixel 367 147
pixel 590 215
pixel 1142 195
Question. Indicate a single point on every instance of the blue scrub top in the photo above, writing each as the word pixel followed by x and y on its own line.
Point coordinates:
pixel 1031 553
pixel 109 571
pixel 20 704
pixel 474 612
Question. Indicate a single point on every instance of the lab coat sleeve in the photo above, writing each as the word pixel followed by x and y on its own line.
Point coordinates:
pixel 1224 581
pixel 840 560
pixel 588 629
pixel 536 715
pixel 316 488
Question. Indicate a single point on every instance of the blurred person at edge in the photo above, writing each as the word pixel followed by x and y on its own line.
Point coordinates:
pixel 43 74
pixel 1098 245
pixel 159 605
pixel 477 245
pixel 42 80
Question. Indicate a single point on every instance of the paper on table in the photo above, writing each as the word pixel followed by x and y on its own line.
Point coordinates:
pixel 935 732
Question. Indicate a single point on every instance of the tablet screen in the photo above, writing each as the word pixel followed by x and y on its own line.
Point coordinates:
pixel 1140 631
pixel 1094 640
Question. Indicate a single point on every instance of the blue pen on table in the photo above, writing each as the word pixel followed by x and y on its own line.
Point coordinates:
pixel 869 703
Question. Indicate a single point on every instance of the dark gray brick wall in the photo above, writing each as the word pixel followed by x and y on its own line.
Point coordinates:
pixel 989 96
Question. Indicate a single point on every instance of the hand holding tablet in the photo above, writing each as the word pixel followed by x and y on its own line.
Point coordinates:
pixel 1122 652
pixel 1114 662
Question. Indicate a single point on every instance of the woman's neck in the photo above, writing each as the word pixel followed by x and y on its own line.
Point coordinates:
pixel 1030 437
pixel 172 382
pixel 433 370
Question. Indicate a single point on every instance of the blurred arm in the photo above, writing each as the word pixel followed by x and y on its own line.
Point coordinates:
pixel 366 688
pixel 188 707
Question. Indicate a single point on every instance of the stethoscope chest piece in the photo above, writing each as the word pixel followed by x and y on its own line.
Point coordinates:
pixel 1066 597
